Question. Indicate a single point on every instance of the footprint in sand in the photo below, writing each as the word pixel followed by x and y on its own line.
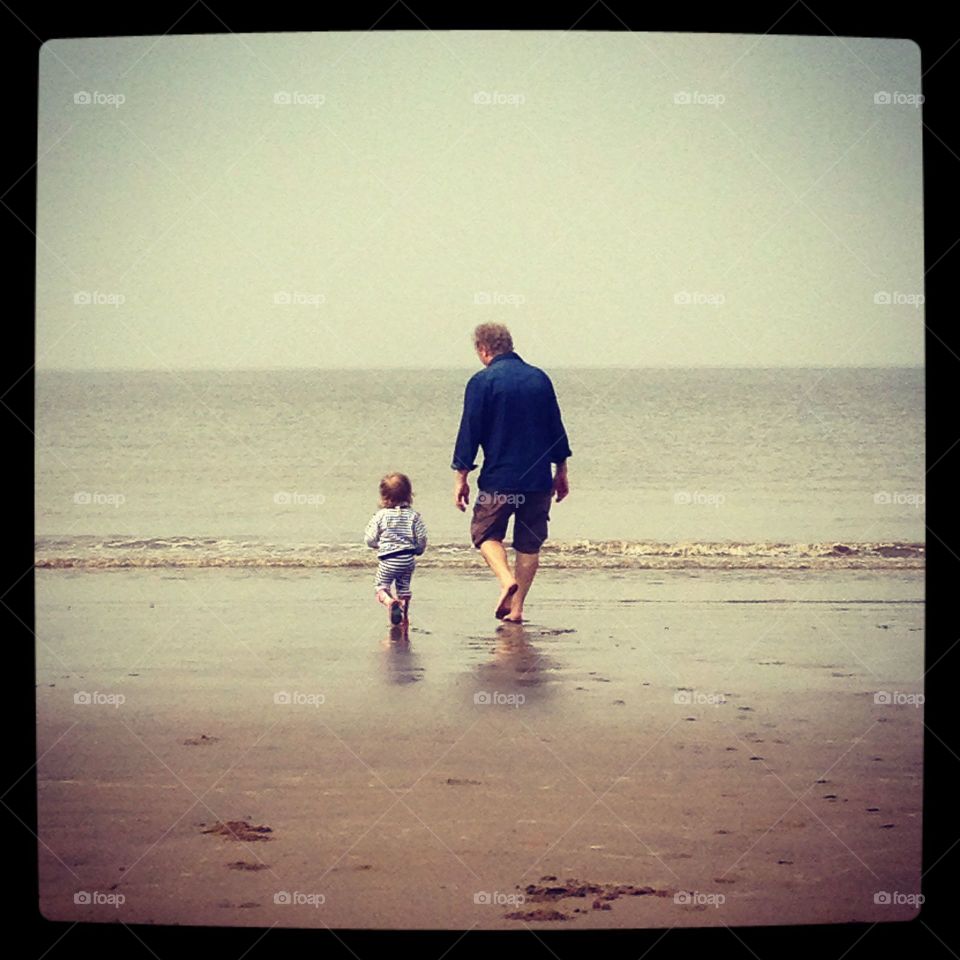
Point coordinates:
pixel 239 830
pixel 538 914
pixel 550 890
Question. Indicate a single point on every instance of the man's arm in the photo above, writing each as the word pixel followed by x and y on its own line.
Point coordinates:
pixel 461 490
pixel 468 441
pixel 561 486
pixel 560 449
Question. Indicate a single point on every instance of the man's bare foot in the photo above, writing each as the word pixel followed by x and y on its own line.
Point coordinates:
pixel 503 604
pixel 516 612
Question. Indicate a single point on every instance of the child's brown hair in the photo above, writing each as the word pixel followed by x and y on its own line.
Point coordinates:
pixel 396 491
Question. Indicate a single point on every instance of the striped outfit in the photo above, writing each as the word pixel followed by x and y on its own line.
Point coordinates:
pixel 399 536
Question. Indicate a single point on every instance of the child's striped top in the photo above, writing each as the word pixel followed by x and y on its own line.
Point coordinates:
pixel 394 530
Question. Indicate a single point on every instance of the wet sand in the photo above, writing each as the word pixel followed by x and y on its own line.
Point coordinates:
pixel 653 749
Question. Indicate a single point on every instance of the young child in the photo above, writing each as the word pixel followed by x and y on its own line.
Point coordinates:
pixel 399 535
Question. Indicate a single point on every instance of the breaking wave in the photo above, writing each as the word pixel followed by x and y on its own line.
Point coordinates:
pixel 95 553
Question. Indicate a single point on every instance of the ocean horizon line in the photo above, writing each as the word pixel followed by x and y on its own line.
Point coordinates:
pixel 552 366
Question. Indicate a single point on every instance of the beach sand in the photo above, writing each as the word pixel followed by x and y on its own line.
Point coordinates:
pixel 679 748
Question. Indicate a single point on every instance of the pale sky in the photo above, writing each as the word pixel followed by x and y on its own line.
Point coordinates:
pixel 419 183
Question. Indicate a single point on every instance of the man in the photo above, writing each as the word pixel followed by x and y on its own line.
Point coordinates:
pixel 511 411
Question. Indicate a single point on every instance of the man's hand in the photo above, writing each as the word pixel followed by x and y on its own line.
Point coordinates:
pixel 461 491
pixel 560 485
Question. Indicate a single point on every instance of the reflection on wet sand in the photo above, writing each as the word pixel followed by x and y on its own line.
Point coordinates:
pixel 518 665
pixel 400 660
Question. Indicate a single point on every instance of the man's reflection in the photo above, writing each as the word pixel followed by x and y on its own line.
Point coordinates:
pixel 517 666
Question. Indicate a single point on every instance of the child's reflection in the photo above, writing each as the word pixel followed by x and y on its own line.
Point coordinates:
pixel 401 661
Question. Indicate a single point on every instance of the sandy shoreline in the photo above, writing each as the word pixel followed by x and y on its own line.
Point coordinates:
pixel 666 730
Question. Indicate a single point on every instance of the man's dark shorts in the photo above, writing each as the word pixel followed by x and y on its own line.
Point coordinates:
pixel 531 511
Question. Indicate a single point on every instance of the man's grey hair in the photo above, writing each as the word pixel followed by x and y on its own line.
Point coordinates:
pixel 493 337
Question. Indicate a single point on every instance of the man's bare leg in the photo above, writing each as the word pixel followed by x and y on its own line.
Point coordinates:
pixel 496 558
pixel 526 566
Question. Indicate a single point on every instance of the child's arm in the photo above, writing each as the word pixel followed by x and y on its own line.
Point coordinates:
pixel 420 534
pixel 372 534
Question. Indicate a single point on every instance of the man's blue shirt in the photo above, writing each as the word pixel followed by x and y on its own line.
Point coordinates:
pixel 511 411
